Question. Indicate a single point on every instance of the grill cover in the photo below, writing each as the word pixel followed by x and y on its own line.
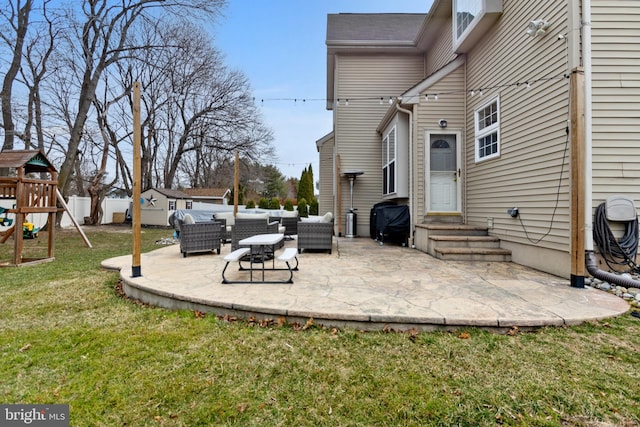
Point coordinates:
pixel 393 223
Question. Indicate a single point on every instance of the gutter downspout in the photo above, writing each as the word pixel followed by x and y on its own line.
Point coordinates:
pixel 411 204
pixel 590 257
pixel 588 123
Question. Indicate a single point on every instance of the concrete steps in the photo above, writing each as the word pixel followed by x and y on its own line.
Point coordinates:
pixel 458 242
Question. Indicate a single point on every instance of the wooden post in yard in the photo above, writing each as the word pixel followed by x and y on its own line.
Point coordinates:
pixel 578 190
pixel 338 178
pixel 236 184
pixel 136 270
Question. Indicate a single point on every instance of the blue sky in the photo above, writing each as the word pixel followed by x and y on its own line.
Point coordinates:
pixel 280 46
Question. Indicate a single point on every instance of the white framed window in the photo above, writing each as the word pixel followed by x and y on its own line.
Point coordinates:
pixel 389 149
pixel 172 205
pixel 487 130
pixel 471 19
pixel 465 11
pixel 189 205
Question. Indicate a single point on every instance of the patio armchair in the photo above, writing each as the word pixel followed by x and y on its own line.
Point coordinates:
pixel 200 237
pixel 316 235
pixel 228 220
pixel 288 223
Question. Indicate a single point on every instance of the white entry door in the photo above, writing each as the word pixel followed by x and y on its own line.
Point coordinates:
pixel 443 172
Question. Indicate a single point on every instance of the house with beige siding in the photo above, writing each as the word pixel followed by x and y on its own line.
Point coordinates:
pixel 158 204
pixel 478 107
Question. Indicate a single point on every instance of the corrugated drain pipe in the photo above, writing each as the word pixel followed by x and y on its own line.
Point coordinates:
pixel 592 268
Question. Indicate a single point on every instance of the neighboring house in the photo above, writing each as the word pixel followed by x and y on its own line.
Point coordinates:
pixel 465 113
pixel 157 204
pixel 217 196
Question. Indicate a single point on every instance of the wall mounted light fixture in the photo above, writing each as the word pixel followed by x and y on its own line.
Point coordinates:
pixel 537 27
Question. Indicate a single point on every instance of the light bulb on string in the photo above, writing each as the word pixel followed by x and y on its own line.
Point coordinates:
pixel 435 96
pixel 380 100
pixel 390 100
pixel 346 103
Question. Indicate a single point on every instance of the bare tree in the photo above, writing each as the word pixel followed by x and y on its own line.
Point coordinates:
pixel 197 111
pixel 37 54
pixel 17 17
pixel 102 40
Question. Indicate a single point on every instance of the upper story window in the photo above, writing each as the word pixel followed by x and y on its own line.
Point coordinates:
pixel 471 19
pixel 487 131
pixel 389 149
pixel 465 13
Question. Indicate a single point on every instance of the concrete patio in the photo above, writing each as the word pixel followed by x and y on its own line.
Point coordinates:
pixel 366 286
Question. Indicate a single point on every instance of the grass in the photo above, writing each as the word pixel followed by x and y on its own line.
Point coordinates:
pixel 67 337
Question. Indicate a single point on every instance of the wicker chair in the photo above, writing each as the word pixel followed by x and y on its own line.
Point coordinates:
pixel 200 237
pixel 288 224
pixel 244 228
pixel 228 224
pixel 315 235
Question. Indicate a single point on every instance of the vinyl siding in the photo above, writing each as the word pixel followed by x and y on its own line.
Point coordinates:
pixel 532 171
pixel 616 98
pixel 442 52
pixel 364 79
pixel 326 197
pixel 449 106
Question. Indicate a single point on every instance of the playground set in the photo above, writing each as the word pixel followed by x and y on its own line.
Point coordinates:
pixel 33 188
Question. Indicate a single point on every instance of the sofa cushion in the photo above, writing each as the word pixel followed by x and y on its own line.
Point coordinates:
pixel 312 218
pixel 227 216
pixel 289 214
pixel 253 215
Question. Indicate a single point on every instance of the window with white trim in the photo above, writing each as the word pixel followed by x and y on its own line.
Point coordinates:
pixel 487 121
pixel 465 11
pixel 471 20
pixel 389 149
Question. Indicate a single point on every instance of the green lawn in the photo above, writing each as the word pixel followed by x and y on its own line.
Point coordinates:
pixel 67 337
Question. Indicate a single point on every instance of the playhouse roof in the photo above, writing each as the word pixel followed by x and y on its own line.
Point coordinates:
pixel 30 160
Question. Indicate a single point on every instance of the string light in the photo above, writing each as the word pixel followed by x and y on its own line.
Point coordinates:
pixel 427 97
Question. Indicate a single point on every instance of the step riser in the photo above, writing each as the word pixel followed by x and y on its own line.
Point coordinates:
pixel 462 244
pixel 458 232
pixel 446 242
pixel 473 257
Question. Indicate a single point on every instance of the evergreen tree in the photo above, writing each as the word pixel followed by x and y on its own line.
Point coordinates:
pixel 305 186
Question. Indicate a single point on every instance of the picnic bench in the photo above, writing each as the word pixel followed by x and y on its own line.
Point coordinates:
pixel 259 249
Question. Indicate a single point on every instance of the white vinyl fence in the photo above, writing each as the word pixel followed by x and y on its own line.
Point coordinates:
pixel 79 207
